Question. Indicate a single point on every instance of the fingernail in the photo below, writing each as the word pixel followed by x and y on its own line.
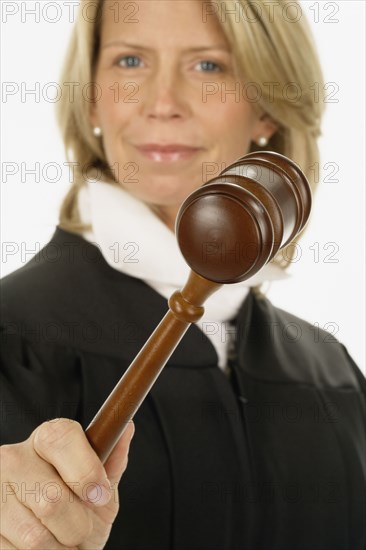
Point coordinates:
pixel 98 494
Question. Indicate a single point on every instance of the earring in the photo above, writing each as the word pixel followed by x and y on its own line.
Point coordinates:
pixel 262 141
pixel 97 131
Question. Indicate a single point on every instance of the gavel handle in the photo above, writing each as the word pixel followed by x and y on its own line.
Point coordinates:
pixel 185 307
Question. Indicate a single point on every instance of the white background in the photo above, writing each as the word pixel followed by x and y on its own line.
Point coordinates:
pixel 327 294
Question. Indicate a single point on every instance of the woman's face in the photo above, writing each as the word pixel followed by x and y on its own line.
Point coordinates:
pixel 168 119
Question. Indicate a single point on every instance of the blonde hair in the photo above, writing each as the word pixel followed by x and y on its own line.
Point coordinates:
pixel 275 57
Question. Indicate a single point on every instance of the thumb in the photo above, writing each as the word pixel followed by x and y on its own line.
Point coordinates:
pixel 117 461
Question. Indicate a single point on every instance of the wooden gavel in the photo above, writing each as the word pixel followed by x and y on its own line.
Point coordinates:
pixel 227 230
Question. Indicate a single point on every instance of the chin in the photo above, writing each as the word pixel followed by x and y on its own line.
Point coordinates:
pixel 166 195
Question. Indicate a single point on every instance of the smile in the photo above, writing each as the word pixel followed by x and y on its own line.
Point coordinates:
pixel 167 153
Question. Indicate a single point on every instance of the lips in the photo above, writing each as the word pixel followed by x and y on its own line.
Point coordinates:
pixel 170 148
pixel 168 153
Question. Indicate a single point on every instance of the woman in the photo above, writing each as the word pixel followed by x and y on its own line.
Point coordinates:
pixel 257 444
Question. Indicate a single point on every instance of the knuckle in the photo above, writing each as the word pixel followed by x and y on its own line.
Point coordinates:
pixel 57 433
pixel 9 456
pixel 35 536
pixel 79 531
pixel 47 508
pixel 53 507
pixel 50 498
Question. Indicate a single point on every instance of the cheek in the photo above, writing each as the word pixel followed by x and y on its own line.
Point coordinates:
pixel 228 112
pixel 231 123
pixel 109 114
pixel 114 116
pixel 114 103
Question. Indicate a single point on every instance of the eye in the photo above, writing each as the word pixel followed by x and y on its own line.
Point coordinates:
pixel 209 66
pixel 128 61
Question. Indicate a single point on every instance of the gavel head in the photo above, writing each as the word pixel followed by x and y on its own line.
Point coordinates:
pixel 234 224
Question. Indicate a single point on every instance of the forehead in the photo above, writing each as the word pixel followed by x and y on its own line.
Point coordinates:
pixel 165 22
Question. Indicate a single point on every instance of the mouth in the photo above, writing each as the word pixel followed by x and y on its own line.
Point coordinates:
pixel 167 152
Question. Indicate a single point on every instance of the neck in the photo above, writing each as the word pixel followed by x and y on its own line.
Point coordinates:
pixel 167 214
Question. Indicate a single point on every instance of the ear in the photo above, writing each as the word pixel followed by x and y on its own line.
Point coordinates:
pixel 265 127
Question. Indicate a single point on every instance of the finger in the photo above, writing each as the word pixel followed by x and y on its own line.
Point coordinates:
pixel 63 443
pixel 117 461
pixel 21 529
pixel 5 544
pixel 115 466
pixel 39 502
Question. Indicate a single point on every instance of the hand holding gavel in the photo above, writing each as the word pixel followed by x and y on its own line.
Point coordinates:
pixel 227 230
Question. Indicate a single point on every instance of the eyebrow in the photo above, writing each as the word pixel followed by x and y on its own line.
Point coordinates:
pixel 139 47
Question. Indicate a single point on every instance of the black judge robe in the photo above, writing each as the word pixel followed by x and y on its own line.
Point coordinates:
pixel 270 458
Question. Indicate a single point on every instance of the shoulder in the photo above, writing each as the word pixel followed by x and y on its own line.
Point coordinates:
pixel 47 279
pixel 276 345
pixel 68 294
pixel 68 268
pixel 57 284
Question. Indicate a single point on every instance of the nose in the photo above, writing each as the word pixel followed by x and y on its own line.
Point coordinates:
pixel 164 96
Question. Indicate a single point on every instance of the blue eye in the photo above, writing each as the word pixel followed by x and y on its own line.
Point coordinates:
pixel 209 66
pixel 130 61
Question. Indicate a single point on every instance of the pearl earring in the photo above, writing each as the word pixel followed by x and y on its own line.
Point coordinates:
pixel 97 131
pixel 262 141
